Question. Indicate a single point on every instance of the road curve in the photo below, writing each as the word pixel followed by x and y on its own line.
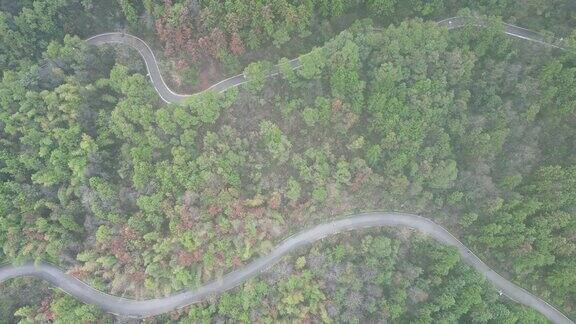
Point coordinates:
pixel 147 54
pixel 145 308
pixel 170 96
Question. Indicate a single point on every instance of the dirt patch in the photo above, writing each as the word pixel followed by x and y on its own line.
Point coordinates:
pixel 207 77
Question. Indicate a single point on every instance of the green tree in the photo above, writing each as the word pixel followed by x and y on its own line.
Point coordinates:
pixel 275 142
pixel 293 190
pixel 68 310
pixel 312 63
pixel 129 11
pixel 256 73
pixel 286 71
pixel 381 8
pixel 444 175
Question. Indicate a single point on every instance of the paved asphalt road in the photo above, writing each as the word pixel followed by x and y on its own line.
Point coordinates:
pixel 170 96
pixel 147 54
pixel 144 308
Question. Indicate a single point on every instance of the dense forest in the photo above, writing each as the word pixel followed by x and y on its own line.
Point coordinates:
pixel 471 128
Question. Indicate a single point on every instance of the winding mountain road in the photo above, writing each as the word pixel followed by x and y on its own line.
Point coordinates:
pixel 163 90
pixel 144 308
pixel 170 96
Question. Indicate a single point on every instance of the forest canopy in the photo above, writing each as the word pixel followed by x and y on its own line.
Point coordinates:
pixel 389 111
